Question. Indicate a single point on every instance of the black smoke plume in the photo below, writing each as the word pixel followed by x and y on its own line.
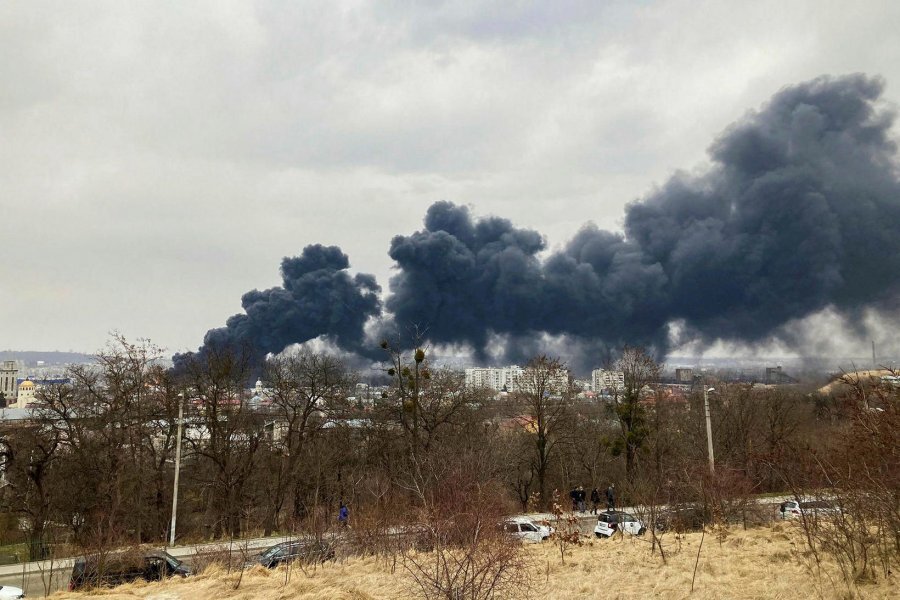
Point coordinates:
pixel 318 298
pixel 799 211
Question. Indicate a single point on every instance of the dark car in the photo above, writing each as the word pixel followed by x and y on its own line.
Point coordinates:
pixel 124 567
pixel 307 551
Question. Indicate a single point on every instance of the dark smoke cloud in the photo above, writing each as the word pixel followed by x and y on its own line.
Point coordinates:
pixel 799 212
pixel 318 297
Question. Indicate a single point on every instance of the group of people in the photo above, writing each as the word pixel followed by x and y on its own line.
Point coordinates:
pixel 579 496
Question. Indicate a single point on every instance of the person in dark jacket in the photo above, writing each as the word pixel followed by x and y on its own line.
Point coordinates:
pixel 343 515
pixel 582 496
pixel 574 496
pixel 611 497
pixel 595 501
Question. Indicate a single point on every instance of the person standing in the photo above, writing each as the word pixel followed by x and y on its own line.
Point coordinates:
pixel 574 496
pixel 581 499
pixel 611 497
pixel 343 515
pixel 595 501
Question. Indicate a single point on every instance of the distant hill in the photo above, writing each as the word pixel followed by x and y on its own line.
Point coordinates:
pixel 31 357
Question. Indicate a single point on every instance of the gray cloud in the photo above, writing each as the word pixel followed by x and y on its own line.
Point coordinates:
pixel 159 160
pixel 799 214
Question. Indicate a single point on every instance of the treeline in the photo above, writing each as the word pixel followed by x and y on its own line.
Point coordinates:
pixel 95 466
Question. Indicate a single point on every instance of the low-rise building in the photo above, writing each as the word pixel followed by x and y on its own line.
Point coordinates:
pixel 684 375
pixel 26 394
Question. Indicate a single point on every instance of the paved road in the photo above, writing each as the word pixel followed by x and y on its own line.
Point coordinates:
pixel 37 578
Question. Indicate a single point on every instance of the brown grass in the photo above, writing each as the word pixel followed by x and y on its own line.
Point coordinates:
pixel 769 562
pixel 866 377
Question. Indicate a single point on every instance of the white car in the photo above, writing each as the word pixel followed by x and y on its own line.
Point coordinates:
pixel 8 591
pixel 811 508
pixel 611 521
pixel 526 529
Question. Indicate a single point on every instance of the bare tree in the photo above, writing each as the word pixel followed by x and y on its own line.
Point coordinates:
pixel 640 372
pixel 28 455
pixel 228 435
pixel 543 400
pixel 305 389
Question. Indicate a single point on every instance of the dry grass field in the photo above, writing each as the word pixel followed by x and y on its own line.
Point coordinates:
pixel 868 378
pixel 769 562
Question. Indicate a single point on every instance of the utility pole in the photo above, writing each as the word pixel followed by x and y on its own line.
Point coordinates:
pixel 709 443
pixel 178 467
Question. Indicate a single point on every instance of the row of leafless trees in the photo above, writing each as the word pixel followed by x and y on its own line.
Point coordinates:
pixel 94 466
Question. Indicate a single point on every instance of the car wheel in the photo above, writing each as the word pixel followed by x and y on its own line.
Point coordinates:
pixel 642 531
pixel 599 535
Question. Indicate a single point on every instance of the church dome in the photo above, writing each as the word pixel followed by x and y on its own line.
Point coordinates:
pixel 26 385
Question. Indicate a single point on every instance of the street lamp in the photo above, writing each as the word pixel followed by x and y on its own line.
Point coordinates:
pixel 178 467
pixel 709 444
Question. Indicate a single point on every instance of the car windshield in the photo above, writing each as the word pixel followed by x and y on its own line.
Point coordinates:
pixel 271 552
pixel 173 562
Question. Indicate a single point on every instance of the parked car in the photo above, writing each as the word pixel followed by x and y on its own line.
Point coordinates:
pixel 307 551
pixel 793 509
pixel 543 526
pixel 8 592
pixel 611 521
pixel 124 567
pixel 681 518
pixel 527 530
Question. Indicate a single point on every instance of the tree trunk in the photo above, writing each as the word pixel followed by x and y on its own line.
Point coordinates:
pixel 630 453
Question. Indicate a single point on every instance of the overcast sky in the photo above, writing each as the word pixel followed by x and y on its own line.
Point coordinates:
pixel 158 159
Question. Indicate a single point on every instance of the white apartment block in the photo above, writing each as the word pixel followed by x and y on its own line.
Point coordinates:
pixel 495 378
pixel 511 379
pixel 603 380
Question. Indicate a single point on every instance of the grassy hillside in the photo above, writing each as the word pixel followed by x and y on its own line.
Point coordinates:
pixel 866 377
pixel 769 562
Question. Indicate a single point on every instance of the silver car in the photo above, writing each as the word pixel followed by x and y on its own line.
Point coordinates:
pixel 526 530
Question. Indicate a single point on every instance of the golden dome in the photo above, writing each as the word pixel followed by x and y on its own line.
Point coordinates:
pixel 27 384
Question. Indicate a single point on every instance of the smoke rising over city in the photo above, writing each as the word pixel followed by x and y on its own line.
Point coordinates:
pixel 318 297
pixel 799 212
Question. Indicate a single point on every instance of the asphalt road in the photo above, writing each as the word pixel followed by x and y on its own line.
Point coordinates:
pixel 41 578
